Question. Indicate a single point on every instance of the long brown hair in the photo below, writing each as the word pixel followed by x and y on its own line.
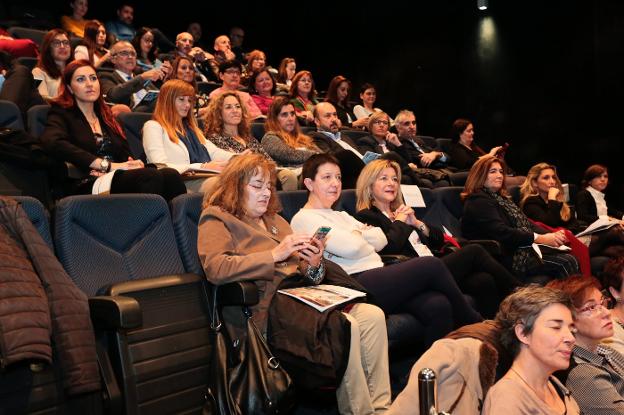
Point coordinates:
pixel 174 69
pixel 230 192
pixel 90 38
pixel 478 174
pixel 213 120
pixel 295 139
pixel 527 189
pixel 46 61
pixel 332 91
pixel 281 72
pixel 66 99
pixel 166 114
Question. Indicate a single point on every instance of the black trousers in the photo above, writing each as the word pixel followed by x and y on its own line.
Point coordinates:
pixel 165 182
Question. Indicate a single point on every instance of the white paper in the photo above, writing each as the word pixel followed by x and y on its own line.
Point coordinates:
pixel 566 192
pixel 562 248
pixel 446 231
pixel 102 184
pixel 603 222
pixel 420 248
pixel 412 195
pixel 324 296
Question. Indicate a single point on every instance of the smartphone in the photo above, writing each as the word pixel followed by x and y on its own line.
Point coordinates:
pixel 321 233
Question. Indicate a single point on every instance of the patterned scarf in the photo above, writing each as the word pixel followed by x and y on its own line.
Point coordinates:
pixel 523 258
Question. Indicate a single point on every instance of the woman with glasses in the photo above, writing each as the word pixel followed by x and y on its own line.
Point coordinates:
pixel 613 280
pixel 55 53
pixel 303 96
pixel 81 130
pixel 147 50
pixel 596 377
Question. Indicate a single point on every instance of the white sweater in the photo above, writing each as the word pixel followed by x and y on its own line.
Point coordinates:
pixel 350 243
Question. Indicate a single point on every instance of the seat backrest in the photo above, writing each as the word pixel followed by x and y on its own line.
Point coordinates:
pixel 429 141
pixel 207 87
pixel 257 130
pixel 132 123
pixel 514 192
pixel 38 215
pixel 347 201
pixel 291 202
pixel 37 116
pixel 185 212
pixel 101 240
pixel 10 116
pixel 27 33
pixel 27 61
pixel 444 144
pixel 354 135
pixel 447 210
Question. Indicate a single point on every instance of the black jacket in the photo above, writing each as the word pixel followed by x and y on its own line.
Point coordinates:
pixel 550 214
pixel 414 153
pixel 461 157
pixel 396 153
pixel 586 208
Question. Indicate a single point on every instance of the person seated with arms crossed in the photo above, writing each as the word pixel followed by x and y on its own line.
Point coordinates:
pixel 242 238
pixel 81 130
pixel 173 138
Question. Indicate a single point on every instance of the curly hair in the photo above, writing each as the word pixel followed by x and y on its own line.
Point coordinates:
pixel 213 120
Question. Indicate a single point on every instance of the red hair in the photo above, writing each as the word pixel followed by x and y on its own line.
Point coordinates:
pixel 66 99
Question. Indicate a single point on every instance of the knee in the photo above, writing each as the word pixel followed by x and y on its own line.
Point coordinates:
pixel 436 307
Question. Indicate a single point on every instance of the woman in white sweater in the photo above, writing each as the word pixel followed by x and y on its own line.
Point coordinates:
pixel 420 286
pixel 173 138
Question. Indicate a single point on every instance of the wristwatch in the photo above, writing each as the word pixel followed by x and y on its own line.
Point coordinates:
pixel 105 165
pixel 422 227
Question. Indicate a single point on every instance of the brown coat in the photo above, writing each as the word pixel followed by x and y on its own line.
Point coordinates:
pixel 232 249
pixel 37 300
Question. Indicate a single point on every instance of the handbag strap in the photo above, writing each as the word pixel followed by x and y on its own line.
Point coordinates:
pixel 215 321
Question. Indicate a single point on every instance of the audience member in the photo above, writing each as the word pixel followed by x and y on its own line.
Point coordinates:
pixel 421 156
pixel 17 84
pixel 537 328
pixel 329 139
pixel 237 36
pixel 203 62
pixel 123 87
pixel 338 93
pixel 230 74
pixel 195 29
pixel 283 139
pixel 75 24
pixel 422 287
pixel 613 281
pixel 262 89
pixel 81 130
pixel 122 29
pixel 303 96
pixel 147 51
pixel 542 200
pixel 380 203
pixel 92 48
pixel 241 238
pixel 256 61
pixel 368 95
pixel 590 201
pixel 55 54
pixel 596 379
pixel 463 150
pixel 285 73
pixel 489 213
pixel 18 48
pixel 223 50
pixel 388 145
pixel 173 138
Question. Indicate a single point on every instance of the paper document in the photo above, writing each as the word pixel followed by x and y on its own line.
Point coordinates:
pixel 603 222
pixel 412 195
pixel 102 184
pixel 324 296
pixel 562 248
pixel 370 156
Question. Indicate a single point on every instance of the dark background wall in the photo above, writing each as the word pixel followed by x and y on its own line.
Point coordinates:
pixel 544 76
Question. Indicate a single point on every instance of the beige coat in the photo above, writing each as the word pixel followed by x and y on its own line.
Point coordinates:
pixel 231 249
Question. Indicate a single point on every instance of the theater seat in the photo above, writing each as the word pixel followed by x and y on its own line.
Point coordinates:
pixel 37 116
pixel 38 215
pixel 185 212
pixel 132 123
pixel 10 116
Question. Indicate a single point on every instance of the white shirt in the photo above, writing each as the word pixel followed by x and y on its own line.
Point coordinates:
pixel 336 137
pixel 601 203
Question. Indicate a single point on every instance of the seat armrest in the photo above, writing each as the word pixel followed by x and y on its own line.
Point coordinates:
pixel 238 293
pixel 393 259
pixel 493 247
pixel 115 312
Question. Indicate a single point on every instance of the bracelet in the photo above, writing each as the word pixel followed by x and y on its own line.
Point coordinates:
pixel 316 274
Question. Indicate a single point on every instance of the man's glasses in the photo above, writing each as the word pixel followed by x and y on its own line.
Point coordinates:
pixel 126 54
pixel 59 43
pixel 232 72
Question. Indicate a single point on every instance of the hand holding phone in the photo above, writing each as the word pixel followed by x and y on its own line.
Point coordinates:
pixel 321 233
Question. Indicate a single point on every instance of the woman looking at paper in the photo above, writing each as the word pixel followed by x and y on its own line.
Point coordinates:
pixel 422 287
pixel 543 201
pixel 173 138
pixel 81 130
pixel 380 203
pixel 489 213
pixel 242 238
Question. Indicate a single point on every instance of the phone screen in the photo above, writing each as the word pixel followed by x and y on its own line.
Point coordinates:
pixel 321 233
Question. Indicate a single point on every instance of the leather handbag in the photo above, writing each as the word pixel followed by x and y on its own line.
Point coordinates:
pixel 246 381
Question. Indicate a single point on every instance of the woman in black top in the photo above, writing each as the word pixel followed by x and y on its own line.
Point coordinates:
pixel 380 204
pixel 542 201
pixel 338 93
pixel 82 130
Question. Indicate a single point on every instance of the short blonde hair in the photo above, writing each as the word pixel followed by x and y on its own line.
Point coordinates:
pixel 368 176
pixel 376 116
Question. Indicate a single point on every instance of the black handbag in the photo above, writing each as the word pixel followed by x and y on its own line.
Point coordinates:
pixel 246 381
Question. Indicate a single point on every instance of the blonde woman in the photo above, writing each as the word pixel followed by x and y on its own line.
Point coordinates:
pixel 173 137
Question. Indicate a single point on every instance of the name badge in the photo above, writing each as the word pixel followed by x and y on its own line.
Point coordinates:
pixel 420 248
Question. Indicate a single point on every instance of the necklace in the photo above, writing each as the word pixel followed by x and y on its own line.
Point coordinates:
pixel 93 124
pixel 533 390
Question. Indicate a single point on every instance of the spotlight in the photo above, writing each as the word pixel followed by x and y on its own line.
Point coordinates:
pixel 482 4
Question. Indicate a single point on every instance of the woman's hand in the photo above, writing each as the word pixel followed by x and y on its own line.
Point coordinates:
pixel 312 253
pixel 555 239
pixel 361 123
pixel 131 164
pixel 307 115
pixel 553 192
pixel 214 165
pixel 392 138
pixel 402 213
pixel 290 244
pixel 495 150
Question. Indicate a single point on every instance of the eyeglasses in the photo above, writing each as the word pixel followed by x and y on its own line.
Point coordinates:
pixel 260 186
pixel 408 123
pixel 126 54
pixel 59 43
pixel 381 122
pixel 232 72
pixel 592 309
